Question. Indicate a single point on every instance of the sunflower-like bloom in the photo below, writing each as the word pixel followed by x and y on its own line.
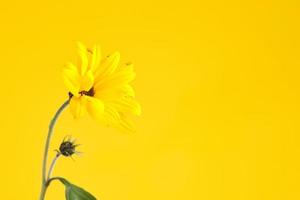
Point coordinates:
pixel 100 87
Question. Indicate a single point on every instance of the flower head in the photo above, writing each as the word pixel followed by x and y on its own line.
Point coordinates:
pixel 68 147
pixel 100 87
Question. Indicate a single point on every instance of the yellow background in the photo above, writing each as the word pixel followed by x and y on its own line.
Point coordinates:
pixel 218 82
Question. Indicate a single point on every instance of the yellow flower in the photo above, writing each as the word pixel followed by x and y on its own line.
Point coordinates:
pixel 100 87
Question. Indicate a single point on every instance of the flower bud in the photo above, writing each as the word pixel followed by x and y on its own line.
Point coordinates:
pixel 68 147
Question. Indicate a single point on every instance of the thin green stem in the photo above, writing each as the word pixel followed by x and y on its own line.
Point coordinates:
pixel 50 132
pixel 64 181
pixel 51 168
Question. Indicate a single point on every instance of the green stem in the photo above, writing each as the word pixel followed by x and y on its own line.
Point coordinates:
pixel 51 168
pixel 50 132
pixel 64 181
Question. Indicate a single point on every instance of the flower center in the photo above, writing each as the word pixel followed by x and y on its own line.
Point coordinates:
pixel 90 93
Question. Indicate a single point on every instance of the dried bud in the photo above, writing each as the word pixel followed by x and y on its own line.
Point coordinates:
pixel 68 147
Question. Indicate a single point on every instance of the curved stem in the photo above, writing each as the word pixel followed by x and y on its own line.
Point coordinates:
pixel 50 132
pixel 56 178
pixel 53 165
pixel 51 179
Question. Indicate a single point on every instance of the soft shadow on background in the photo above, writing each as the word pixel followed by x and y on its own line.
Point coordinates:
pixel 218 83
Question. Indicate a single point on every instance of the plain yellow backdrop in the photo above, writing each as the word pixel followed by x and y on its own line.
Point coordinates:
pixel 218 82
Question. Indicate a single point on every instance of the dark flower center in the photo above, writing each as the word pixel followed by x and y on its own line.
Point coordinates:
pixel 90 93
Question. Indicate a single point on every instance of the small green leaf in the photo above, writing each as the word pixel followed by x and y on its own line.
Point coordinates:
pixel 74 192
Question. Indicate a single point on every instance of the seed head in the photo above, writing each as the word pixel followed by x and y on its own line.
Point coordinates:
pixel 68 147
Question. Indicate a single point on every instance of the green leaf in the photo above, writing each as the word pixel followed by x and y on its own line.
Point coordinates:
pixel 74 192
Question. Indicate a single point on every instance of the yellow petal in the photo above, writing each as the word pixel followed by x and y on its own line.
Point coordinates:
pixel 121 77
pixel 95 107
pixel 110 93
pixel 83 58
pixel 108 66
pixel 71 79
pixel 87 81
pixel 110 116
pixel 126 105
pixel 126 125
pixel 127 90
pixel 96 57
pixel 102 112
pixel 71 66
pixel 78 106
